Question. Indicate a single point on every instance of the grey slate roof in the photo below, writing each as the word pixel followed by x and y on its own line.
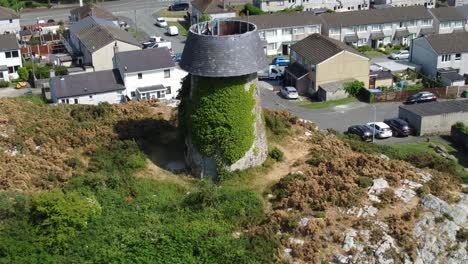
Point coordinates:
pixel 92 10
pixel 157 87
pixel 447 14
pixel 463 10
pixel 453 76
pixel 6 13
pixel 332 87
pixel 145 60
pixel 8 42
pixel 95 33
pixel 86 84
pixel 402 33
pixel 297 70
pixel 226 55
pixel 449 43
pixel 283 20
pixel 351 38
pixel 376 16
pixel 437 108
pixel 317 48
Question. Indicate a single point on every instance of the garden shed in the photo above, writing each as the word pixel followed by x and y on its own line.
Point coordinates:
pixel 332 90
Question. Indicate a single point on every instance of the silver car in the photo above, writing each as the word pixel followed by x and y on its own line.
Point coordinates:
pixel 289 92
pixel 401 55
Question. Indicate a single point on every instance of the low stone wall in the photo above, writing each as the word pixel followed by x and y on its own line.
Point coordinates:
pixel 459 137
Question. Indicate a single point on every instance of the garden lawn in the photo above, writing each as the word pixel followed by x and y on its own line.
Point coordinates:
pixel 425 146
pixel 327 104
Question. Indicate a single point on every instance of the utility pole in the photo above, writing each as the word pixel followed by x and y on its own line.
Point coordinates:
pixel 373 128
pixel 136 25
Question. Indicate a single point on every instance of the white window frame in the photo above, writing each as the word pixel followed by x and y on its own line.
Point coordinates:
pixel 270 33
pixel 298 31
pixel 334 31
pixel 362 28
pixel 446 58
pixel 286 31
pixel 458 56
pixel 445 25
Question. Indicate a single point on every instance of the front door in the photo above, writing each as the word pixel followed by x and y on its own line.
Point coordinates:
pixel 285 49
pixel 374 43
pixel 372 83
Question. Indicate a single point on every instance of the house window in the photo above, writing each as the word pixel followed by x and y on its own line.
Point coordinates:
pixel 270 33
pixel 1 75
pixel 458 24
pixel 410 24
pixel 362 29
pixel 90 97
pixel 376 27
pixel 15 54
pixel 11 69
pixel 167 73
pixel 8 54
pixel 426 22
pixel 271 46
pixel 267 3
pixel 140 75
pixel 262 34
pixel 281 3
pixel 445 25
pixel 362 41
pixel 334 31
pixel 76 100
pixel 314 29
pixel 16 68
pixel 298 31
pixel 67 101
pixel 458 56
pixel 168 90
pixel 11 21
pixel 387 26
pixel 287 31
pixel 132 94
pixel 446 57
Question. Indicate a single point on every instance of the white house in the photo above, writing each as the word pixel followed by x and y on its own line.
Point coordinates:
pixel 94 42
pixel 10 57
pixel 88 88
pixel 279 31
pixel 149 74
pixel 138 75
pixel 448 20
pixel 215 9
pixel 404 3
pixel 376 27
pixel 9 21
pixel 443 56
pixel 311 5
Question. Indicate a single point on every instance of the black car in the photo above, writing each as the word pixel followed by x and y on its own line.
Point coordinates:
pixel 179 7
pixel 364 132
pixel 421 97
pixel 50 21
pixel 399 127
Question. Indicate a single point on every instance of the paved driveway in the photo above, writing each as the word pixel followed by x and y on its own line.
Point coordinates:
pixel 338 118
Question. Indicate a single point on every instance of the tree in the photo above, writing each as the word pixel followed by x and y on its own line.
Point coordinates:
pixel 353 88
pixel 61 70
pixel 251 10
pixel 23 73
pixel 204 18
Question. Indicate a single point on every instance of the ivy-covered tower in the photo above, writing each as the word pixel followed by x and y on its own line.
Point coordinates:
pixel 220 110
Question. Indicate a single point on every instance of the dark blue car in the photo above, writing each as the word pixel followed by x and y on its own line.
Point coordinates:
pixel 280 61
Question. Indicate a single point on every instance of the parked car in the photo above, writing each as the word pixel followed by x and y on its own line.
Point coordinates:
pixel 364 132
pixel 280 61
pixel 400 55
pixel 399 127
pixel 421 97
pixel 51 21
pixel 179 6
pixel 289 92
pixel 380 129
pixel 172 31
pixel 161 22
pixel 272 72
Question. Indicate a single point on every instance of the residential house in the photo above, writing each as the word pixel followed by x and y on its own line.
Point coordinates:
pixel 319 61
pixel 88 10
pixel 215 9
pixel 457 2
pixel 93 42
pixel 448 20
pixel 9 21
pixel 88 88
pixel 311 5
pixel 10 57
pixel 279 31
pixel 443 56
pixel 404 3
pixel 149 74
pixel 377 27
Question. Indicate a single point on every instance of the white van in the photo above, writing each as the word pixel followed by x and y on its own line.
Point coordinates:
pixel 172 31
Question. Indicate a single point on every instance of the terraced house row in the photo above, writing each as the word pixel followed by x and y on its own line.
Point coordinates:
pixel 373 27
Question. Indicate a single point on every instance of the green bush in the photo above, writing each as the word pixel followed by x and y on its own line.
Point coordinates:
pixel 4 84
pixel 461 127
pixel 278 123
pixel 353 88
pixel 315 160
pixel 251 10
pixel 462 235
pixel 221 118
pixel 365 182
pixel 364 48
pixel 431 160
pixel 60 70
pixel 276 154
pixel 23 73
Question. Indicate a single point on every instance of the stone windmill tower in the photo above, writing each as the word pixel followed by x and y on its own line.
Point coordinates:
pixel 221 109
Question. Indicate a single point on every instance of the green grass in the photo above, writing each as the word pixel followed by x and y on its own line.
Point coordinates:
pixel 327 104
pixel 372 52
pixel 136 34
pixel 174 14
pixel 182 26
pixel 425 147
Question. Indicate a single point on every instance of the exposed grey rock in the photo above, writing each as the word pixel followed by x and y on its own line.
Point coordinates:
pixel 296 241
pixel 379 186
pixel 425 177
pixel 341 259
pixel 304 221
pixel 348 242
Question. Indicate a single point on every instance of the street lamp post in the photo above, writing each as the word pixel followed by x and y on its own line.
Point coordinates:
pixel 373 127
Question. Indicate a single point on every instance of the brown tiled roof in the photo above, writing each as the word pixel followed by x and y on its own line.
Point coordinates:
pixel 92 10
pixel 317 48
pixel 6 13
pixel 376 16
pixel 283 20
pixel 449 43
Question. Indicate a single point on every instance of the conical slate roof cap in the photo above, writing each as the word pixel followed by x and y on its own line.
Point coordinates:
pixel 223 48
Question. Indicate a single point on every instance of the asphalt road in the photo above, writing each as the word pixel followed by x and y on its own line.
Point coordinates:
pixel 338 118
